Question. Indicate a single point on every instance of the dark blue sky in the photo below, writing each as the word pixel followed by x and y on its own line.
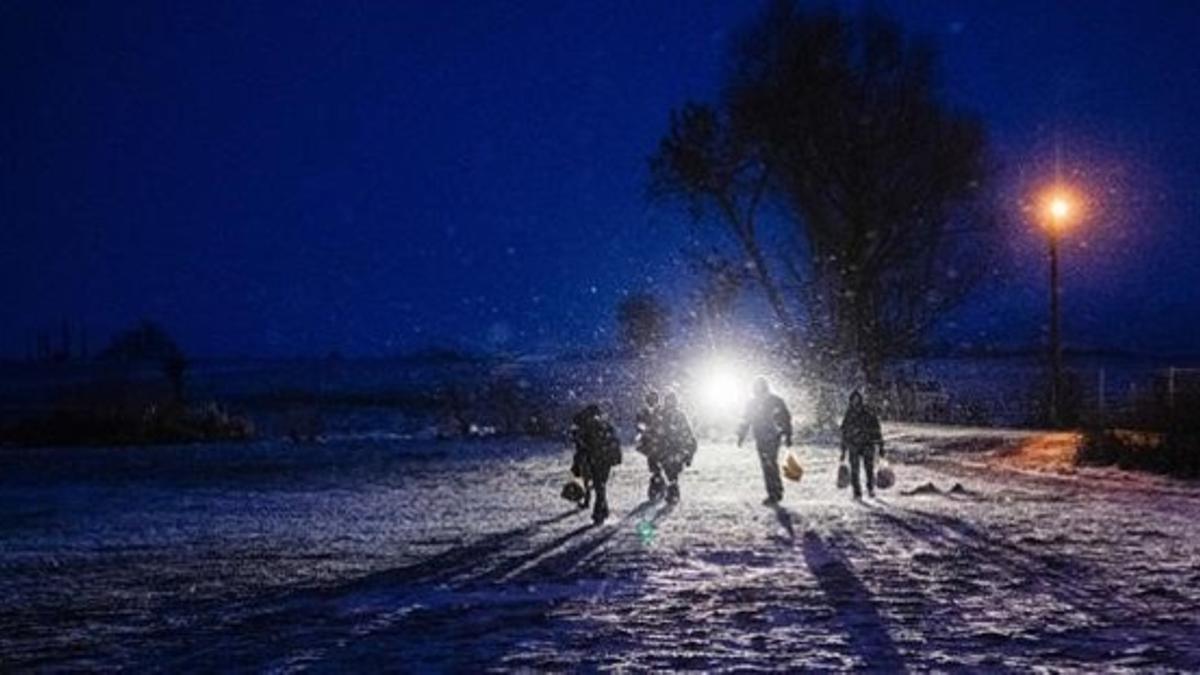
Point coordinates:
pixel 297 177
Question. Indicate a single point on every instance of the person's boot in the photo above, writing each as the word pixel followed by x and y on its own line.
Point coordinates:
pixel 673 493
pixel 600 513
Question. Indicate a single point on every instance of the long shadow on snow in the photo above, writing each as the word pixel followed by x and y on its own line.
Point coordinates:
pixel 1058 576
pixel 1013 551
pixel 305 615
pixel 786 522
pixel 1070 581
pixel 852 604
pixel 595 564
pixel 561 564
pixel 515 563
pixel 454 562
pixel 473 632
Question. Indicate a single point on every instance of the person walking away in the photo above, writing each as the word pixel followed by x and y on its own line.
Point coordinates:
pixel 649 443
pixel 678 445
pixel 768 418
pixel 597 451
pixel 861 435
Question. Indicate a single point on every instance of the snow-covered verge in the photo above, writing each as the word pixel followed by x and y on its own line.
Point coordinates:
pixel 1046 455
pixel 378 555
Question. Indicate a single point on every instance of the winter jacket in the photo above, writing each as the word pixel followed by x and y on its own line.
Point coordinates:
pixel 678 441
pixel 649 431
pixel 595 441
pixel 768 418
pixel 860 429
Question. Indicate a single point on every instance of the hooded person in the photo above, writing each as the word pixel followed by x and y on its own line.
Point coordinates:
pixel 861 436
pixel 677 444
pixel 649 442
pixel 597 451
pixel 767 417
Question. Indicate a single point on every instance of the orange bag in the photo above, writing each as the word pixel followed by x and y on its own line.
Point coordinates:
pixel 791 468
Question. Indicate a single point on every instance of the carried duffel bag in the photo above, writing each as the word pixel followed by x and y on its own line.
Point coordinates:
pixel 884 476
pixel 843 476
pixel 574 491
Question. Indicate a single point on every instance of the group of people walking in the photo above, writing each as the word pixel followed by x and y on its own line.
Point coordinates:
pixel 666 439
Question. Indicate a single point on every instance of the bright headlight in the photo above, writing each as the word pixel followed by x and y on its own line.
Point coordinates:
pixel 721 387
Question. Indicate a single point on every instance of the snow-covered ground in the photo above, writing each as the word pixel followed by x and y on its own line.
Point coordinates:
pixel 373 554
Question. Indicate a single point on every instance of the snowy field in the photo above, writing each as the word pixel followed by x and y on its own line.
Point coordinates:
pixel 373 554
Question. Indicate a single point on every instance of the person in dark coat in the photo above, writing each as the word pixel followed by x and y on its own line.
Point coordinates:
pixel 597 451
pixel 677 446
pixel 769 419
pixel 649 436
pixel 860 438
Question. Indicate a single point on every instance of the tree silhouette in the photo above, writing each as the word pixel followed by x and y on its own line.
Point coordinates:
pixel 721 282
pixel 148 343
pixel 880 184
pixel 644 322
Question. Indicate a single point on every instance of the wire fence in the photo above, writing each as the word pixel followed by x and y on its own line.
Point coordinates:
pixel 1014 393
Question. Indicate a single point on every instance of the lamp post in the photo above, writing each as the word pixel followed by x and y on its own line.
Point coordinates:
pixel 1058 210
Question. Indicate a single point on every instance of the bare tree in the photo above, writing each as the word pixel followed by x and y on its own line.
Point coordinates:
pixel 882 183
pixel 722 282
pixel 149 343
pixel 702 164
pixel 644 322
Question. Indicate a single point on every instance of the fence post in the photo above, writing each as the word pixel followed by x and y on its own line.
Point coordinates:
pixel 1171 387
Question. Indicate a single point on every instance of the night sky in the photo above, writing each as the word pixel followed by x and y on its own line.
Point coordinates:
pixel 286 178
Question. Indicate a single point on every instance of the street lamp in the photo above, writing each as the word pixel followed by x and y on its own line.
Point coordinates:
pixel 1057 210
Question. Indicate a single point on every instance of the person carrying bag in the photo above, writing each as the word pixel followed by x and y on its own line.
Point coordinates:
pixel 861 437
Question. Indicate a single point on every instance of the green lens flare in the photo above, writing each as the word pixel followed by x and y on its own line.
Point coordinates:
pixel 646 532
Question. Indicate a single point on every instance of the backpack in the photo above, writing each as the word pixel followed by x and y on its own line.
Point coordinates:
pixel 594 438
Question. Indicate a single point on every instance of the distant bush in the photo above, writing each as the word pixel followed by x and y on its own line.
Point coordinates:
pixel 154 424
pixel 505 405
pixel 148 343
pixel 1100 448
pixel 1175 453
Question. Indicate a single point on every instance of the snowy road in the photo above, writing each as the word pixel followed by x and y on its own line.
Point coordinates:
pixel 407 562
